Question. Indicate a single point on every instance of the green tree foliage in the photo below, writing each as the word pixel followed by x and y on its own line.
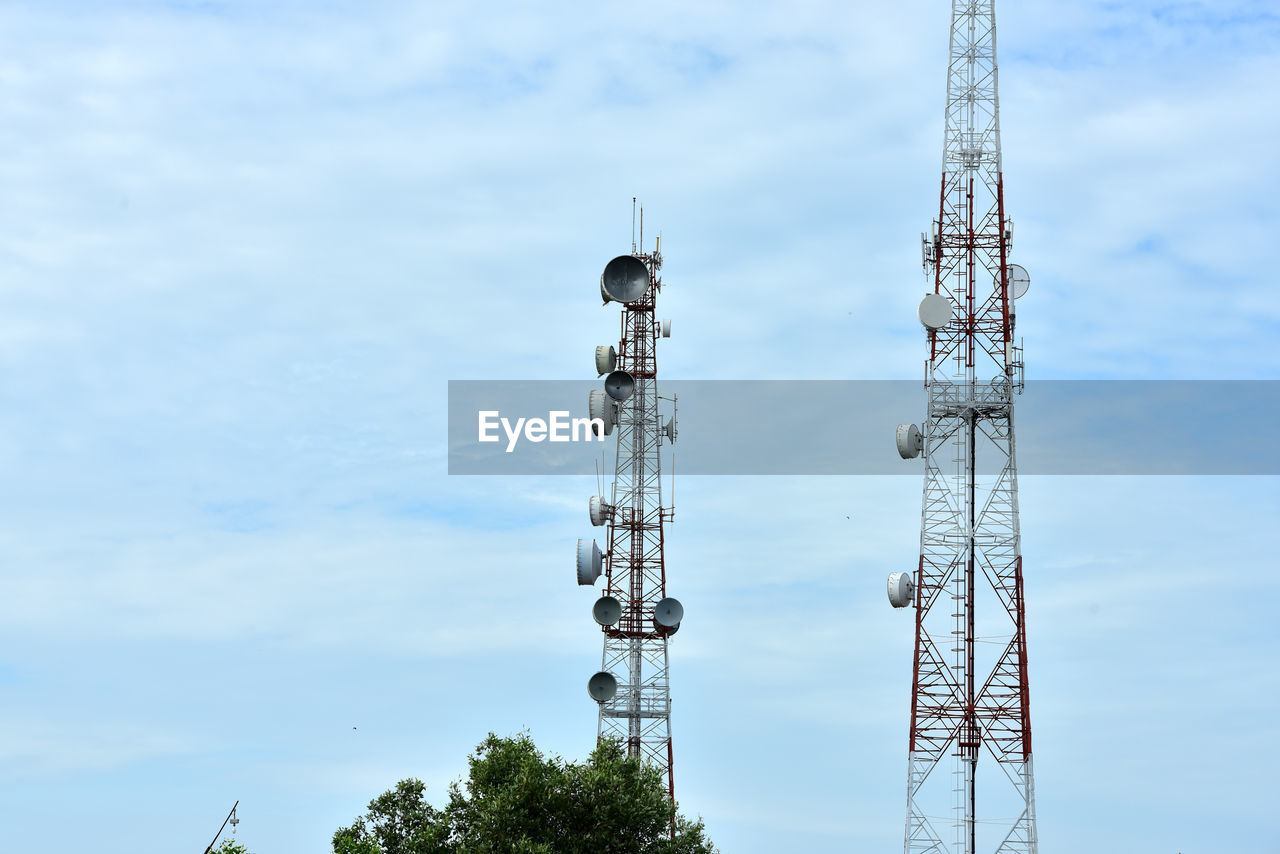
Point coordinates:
pixel 400 821
pixel 516 801
pixel 230 846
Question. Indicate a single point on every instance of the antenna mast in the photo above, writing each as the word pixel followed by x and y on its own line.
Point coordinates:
pixel 231 817
pixel 969 696
pixel 634 612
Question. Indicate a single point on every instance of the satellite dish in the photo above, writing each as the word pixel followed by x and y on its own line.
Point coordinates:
pixel 598 510
pixel 934 311
pixel 901 591
pixel 671 631
pixel 665 327
pixel 1019 280
pixel 625 279
pixel 669 429
pixel 910 442
pixel 668 613
pixel 607 611
pixel 589 562
pixel 606 358
pixel 619 385
pixel 602 687
pixel 600 407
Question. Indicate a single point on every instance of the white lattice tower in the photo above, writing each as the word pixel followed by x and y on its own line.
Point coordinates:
pixel 638 712
pixel 969 700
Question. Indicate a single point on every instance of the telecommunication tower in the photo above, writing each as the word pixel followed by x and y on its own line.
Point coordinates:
pixel 969 694
pixel 634 612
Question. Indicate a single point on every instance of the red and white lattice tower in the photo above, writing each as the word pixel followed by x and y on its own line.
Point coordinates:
pixel 969 699
pixel 634 612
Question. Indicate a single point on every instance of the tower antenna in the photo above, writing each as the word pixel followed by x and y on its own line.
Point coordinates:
pixel 634 612
pixel 231 817
pixel 969 700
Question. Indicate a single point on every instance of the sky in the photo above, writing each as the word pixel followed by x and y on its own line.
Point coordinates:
pixel 244 247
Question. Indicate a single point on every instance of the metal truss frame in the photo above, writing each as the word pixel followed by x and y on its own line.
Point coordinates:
pixel 635 649
pixel 969 532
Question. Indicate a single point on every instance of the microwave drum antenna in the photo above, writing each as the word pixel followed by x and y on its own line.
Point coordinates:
pixel 600 408
pixel 902 591
pixel 606 359
pixel 589 562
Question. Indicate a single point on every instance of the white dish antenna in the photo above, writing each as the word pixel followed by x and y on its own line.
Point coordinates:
pixel 619 385
pixel 598 510
pixel 668 613
pixel 934 311
pixel 606 359
pixel 590 561
pixel 910 442
pixel 602 687
pixel 902 591
pixel 600 407
pixel 1019 280
pixel 607 611
pixel 669 429
pixel 625 279
pixel 665 327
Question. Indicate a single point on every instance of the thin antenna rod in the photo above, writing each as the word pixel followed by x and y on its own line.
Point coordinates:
pixel 642 228
pixel 675 413
pixel 224 827
pixel 633 225
pixel 673 481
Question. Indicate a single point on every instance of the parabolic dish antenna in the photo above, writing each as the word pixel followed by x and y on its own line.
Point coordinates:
pixel 606 359
pixel 607 611
pixel 665 327
pixel 910 442
pixel 600 408
pixel 901 590
pixel 668 612
pixel 589 562
pixel 598 510
pixel 934 311
pixel 625 279
pixel 619 385
pixel 602 686
pixel 669 429
pixel 1019 280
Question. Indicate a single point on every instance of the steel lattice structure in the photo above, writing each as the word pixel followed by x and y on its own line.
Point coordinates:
pixel 969 690
pixel 636 641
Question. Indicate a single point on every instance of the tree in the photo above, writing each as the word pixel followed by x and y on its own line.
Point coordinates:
pixel 516 801
pixel 230 846
pixel 399 821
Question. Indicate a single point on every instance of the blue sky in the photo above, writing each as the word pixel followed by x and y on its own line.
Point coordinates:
pixel 243 248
